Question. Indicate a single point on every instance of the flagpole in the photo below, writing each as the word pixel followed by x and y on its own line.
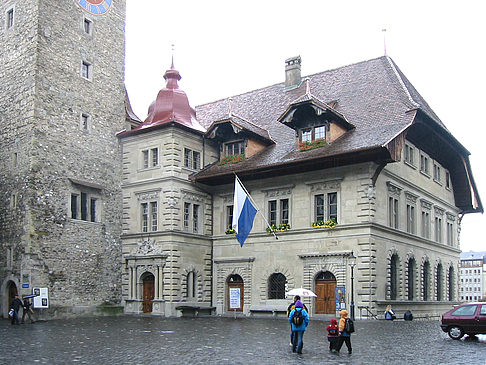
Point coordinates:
pixel 253 202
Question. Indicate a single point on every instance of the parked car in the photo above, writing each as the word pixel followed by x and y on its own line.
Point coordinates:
pixel 468 318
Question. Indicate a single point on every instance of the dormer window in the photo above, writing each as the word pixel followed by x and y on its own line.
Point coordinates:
pixel 234 148
pixel 311 134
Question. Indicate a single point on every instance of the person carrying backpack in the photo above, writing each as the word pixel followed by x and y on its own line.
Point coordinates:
pixel 289 309
pixel 333 335
pixel 298 319
pixel 345 330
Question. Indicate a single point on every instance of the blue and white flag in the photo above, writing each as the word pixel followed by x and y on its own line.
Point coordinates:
pixel 243 213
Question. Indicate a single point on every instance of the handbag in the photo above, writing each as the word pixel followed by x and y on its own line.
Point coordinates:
pixel 11 313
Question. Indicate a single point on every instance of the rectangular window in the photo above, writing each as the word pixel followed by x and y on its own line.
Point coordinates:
pixel 424 164
pixel 410 219
pixel 447 180
pixel 319 207
pixel 154 216
pixel 438 229
pixel 9 21
pixel 15 158
pixel 450 234
pixel 195 218
pixel 425 224
pixel 306 135
pixel 145 159
pixel 229 217
pixel 311 134
pixel 87 26
pixel 320 132
pixel 74 206
pixel 187 211
pixel 92 209
pixel 145 217
pixel 155 156
pixel 192 159
pixel 332 206
pixel 436 172
pixel 409 154
pixel 86 70
pixel 84 206
pixel 284 211
pixel 393 212
pixel 85 122
pixel 272 212
pixel 234 148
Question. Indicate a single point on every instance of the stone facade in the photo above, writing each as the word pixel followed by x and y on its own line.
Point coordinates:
pixel 57 142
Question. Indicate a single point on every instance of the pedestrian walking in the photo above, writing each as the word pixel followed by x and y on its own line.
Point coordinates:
pixel 333 335
pixel 27 310
pixel 389 313
pixel 344 334
pixel 289 309
pixel 298 319
pixel 15 306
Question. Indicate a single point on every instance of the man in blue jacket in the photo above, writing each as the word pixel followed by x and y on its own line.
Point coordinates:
pixel 298 329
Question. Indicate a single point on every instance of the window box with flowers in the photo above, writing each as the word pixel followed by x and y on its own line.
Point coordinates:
pixel 232 159
pixel 230 231
pixel 310 145
pixel 331 223
pixel 282 228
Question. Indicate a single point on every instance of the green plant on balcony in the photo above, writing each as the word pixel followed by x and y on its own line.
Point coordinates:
pixel 331 223
pixel 282 227
pixel 232 159
pixel 310 145
pixel 230 231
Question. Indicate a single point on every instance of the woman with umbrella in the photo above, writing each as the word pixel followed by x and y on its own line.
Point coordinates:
pixel 27 309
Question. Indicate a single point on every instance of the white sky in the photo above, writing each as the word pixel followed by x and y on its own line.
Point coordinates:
pixel 224 48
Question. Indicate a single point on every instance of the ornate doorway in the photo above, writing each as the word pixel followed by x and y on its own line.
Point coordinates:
pixel 325 285
pixel 148 292
pixel 235 289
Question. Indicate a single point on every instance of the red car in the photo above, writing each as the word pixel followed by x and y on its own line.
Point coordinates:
pixel 469 318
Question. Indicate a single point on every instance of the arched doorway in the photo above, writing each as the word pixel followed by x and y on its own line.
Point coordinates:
pixel 148 292
pixel 325 285
pixel 235 290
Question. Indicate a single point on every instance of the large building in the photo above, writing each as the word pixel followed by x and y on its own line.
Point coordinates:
pixel 364 184
pixel 472 286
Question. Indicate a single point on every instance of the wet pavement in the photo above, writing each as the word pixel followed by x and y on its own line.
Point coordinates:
pixel 154 340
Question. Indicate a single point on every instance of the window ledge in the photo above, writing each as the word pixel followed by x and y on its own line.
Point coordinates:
pixel 410 165
pixel 425 174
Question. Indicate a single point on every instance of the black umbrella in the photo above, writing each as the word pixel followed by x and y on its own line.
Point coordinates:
pixel 30 296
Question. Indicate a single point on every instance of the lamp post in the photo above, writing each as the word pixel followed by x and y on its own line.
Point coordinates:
pixel 352 264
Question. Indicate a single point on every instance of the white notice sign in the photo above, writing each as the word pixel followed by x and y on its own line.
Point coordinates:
pixel 234 298
pixel 41 300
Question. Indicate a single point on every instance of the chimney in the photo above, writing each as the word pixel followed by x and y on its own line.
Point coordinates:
pixel 292 72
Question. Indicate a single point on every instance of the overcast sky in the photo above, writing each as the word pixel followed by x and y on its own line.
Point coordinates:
pixel 224 48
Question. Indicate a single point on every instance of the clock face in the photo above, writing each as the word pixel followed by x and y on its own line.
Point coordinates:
pixel 95 7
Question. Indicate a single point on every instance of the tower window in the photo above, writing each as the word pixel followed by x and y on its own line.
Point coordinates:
pixel 88 26
pixel 85 122
pixel 9 21
pixel 86 70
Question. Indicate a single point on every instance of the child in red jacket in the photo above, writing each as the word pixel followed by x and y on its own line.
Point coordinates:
pixel 333 335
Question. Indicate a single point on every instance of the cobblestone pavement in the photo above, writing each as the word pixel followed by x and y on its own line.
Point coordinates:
pixel 154 340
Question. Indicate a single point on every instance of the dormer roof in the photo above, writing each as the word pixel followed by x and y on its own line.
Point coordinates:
pixel 240 124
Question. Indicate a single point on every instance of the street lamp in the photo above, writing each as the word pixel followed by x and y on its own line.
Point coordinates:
pixel 352 264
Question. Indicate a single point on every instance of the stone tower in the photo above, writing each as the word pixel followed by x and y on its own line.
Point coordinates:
pixel 61 103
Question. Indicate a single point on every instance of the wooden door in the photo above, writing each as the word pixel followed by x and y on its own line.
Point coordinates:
pixel 148 293
pixel 325 301
pixel 240 286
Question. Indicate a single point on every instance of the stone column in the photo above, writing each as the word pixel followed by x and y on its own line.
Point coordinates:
pixel 156 294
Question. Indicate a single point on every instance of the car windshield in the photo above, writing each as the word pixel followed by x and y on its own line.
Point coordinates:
pixel 467 310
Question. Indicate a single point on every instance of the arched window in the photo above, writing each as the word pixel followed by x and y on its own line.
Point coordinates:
pixel 411 279
pixel 276 286
pixel 425 281
pixel 191 282
pixel 450 288
pixel 438 285
pixel 394 277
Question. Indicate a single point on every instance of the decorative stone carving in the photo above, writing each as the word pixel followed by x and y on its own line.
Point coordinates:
pixel 192 196
pixel 425 204
pixel 371 192
pixel 326 185
pixel 148 195
pixel 393 189
pixel 439 211
pixel 451 217
pixel 410 197
pixel 146 247
pixel 172 202
pixel 275 193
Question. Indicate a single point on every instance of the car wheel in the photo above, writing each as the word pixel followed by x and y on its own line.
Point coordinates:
pixel 455 332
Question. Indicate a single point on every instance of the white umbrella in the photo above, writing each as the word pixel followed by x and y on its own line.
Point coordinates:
pixel 301 292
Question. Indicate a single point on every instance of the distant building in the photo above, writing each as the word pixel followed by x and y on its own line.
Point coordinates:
pixel 472 274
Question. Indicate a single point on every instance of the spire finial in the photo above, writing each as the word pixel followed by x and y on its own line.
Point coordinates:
pixel 384 40
pixel 173 48
pixel 230 105
pixel 307 86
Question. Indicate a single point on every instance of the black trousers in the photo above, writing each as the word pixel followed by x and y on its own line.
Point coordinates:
pixel 343 339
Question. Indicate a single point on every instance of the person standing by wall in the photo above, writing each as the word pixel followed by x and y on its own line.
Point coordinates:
pixel 389 313
pixel 27 310
pixel 299 319
pixel 15 305
pixel 344 336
